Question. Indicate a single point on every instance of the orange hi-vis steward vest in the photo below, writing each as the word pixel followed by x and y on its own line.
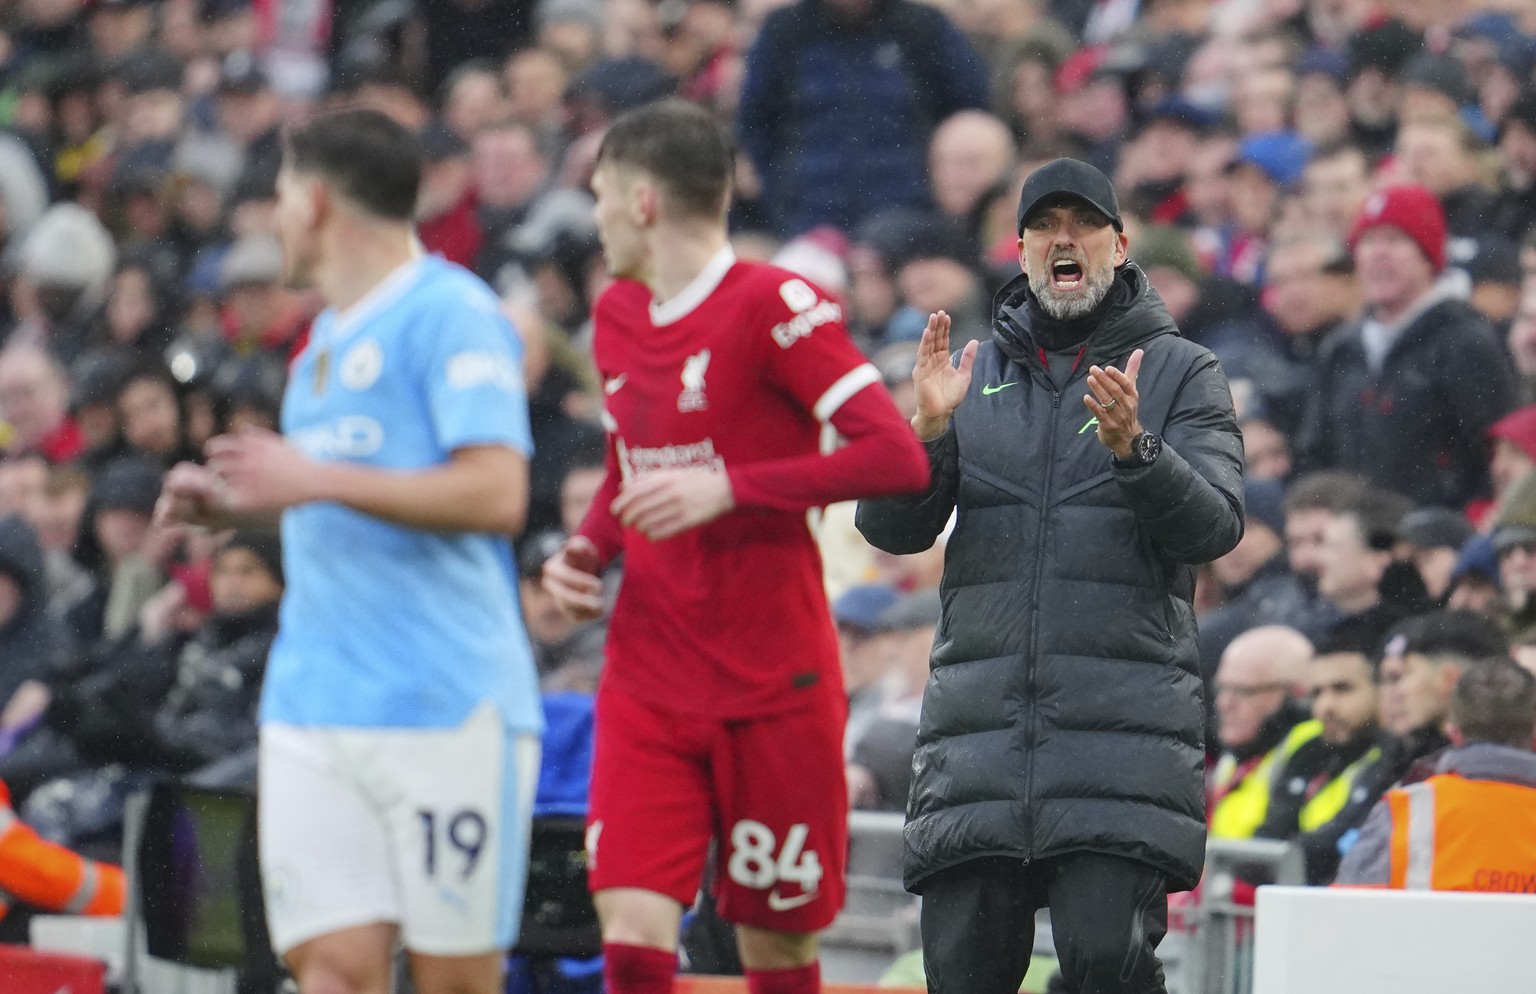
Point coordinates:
pixel 48 876
pixel 1451 833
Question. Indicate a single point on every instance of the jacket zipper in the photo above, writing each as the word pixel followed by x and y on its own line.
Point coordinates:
pixel 1034 628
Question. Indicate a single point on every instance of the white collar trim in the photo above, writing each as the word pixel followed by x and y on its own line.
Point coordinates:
pixel 691 296
pixel 385 292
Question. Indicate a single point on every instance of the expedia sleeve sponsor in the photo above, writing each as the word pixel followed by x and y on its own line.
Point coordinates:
pixel 787 333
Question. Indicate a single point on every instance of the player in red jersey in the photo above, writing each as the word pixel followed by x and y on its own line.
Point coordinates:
pixel 721 707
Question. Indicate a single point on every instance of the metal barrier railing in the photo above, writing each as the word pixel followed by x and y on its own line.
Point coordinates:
pixel 1221 928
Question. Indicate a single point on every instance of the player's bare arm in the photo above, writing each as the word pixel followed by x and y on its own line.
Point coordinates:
pixel 940 384
pixel 480 489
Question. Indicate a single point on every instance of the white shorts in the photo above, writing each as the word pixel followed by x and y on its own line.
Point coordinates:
pixel 426 828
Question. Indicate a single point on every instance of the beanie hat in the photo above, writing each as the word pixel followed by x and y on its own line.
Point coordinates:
pixel 127 483
pixel 1411 209
pixel 1518 427
pixel 265 546
pixel 1170 247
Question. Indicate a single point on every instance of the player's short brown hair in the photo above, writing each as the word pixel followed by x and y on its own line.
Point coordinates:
pixel 682 147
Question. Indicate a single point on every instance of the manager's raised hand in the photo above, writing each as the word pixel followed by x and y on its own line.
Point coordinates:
pixel 941 385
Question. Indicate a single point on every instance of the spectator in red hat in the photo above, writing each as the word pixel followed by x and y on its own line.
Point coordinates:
pixel 1407 390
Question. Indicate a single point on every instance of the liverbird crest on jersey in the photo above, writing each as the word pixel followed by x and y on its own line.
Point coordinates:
pixel 692 397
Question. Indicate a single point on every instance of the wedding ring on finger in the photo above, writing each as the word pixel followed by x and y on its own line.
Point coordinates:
pixel 1110 405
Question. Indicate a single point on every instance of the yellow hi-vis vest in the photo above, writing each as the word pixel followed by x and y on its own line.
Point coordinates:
pixel 1243 808
pixel 1326 804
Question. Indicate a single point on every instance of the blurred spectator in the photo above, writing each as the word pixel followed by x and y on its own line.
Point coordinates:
pixel 250 115
pixel 1376 58
pixel 119 509
pixel 446 220
pixel 1335 184
pixel 1255 580
pixel 971 152
pixel 117 27
pixel 1512 439
pixel 472 99
pixel 31 639
pixel 840 100
pixel 1328 785
pixel 1310 291
pixel 510 172
pixel 1260 724
pixel 259 311
pixel 1433 86
pixel 1357 572
pixel 1419 668
pixel 1514 542
pixel 1321 108
pixel 1153 165
pixel 1266 166
pixel 1514 207
pixel 460 30
pixel 1493 264
pixel 1475 584
pixel 66 265
pixel 880 766
pixel 700 51
pixel 1444 156
pixel 174 696
pixel 1471 826
pixel 857 614
pixel 536 79
pixel 34 399
pixel 1266 450
pixel 154 421
pixel 1522 340
pixel 1431 538
pixel 1372 412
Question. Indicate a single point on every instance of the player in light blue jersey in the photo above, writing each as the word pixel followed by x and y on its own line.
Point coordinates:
pixel 400 716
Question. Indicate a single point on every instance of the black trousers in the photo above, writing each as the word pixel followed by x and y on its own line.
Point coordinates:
pixel 1108 914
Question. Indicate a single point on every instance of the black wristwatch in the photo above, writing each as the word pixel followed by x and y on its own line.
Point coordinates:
pixel 1145 449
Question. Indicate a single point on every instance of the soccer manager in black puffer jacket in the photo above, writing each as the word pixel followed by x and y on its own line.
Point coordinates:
pixel 1094 459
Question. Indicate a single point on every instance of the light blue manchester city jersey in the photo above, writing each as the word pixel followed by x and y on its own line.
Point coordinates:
pixel 383 625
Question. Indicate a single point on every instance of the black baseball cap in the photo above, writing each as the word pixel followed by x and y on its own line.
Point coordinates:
pixel 1069 179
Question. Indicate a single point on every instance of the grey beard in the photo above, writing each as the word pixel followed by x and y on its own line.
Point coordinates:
pixel 1065 307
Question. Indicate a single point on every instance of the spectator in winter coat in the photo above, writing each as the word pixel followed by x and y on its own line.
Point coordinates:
pixel 30 637
pixel 840 99
pixel 1407 392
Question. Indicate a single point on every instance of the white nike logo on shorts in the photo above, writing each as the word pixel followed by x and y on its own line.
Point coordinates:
pixel 611 387
pixel 778 902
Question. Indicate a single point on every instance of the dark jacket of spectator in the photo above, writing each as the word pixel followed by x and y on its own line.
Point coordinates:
pixel 836 112
pixel 171 709
pixel 1063 709
pixel 31 638
pixel 1416 426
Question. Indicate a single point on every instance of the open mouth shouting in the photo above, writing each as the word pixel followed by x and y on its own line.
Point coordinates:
pixel 1066 275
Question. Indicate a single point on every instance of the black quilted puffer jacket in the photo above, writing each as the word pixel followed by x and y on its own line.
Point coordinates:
pixel 1062 711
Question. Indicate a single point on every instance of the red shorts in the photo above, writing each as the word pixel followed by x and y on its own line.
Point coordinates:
pixel 770 790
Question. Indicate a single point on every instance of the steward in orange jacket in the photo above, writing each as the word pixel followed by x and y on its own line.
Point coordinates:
pixel 50 877
pixel 1471 826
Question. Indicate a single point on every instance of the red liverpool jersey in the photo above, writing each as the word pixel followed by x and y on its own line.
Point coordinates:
pixel 750 372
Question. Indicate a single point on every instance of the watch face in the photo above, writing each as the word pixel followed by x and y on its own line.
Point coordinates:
pixel 1148 446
